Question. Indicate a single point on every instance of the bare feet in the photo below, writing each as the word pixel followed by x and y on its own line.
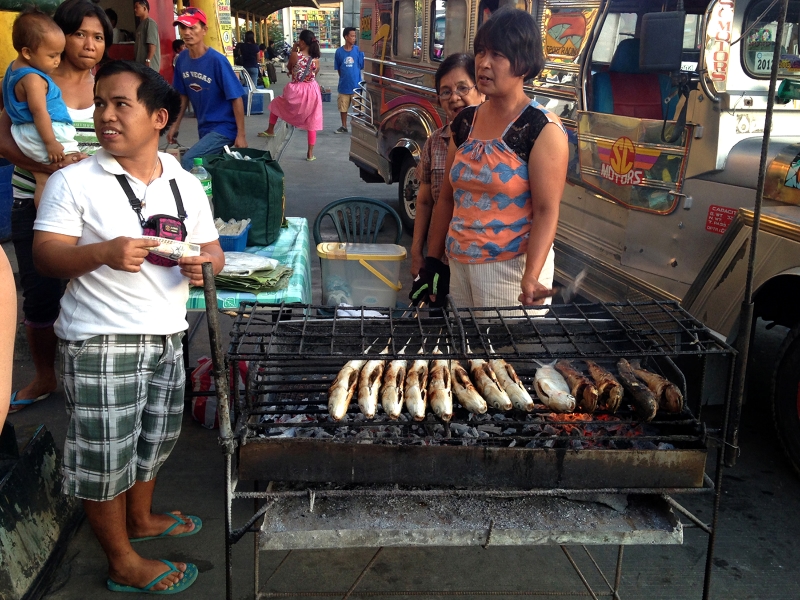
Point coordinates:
pixel 158 523
pixel 142 571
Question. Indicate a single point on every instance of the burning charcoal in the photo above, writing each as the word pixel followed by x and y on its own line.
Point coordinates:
pixel 473 432
pixel 483 434
pixel 499 417
pixel 288 433
pixel 320 433
pixel 577 445
pixel 509 431
pixel 550 430
pixel 531 429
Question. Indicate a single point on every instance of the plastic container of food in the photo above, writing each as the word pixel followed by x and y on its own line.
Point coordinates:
pixel 360 274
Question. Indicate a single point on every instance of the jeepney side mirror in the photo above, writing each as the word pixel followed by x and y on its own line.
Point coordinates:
pixel 661 43
pixel 789 90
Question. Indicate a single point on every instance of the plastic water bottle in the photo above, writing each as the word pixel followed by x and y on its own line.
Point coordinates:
pixel 199 171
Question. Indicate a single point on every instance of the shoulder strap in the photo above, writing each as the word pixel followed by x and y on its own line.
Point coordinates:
pixel 176 193
pixel 136 204
pixel 307 69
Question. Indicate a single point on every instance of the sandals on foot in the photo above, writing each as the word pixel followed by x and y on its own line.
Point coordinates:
pixel 312 158
pixel 189 577
pixel 198 525
pixel 265 134
pixel 18 404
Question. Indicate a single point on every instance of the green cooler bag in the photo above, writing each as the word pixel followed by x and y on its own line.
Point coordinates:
pixel 249 189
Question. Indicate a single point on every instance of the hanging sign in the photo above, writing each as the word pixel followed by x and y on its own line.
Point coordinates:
pixel 718 43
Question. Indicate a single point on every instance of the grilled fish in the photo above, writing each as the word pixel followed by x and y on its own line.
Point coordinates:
pixel 486 382
pixel 464 391
pixel 510 382
pixel 415 392
pixel 342 389
pixel 369 383
pixel 394 378
pixel 580 386
pixel 552 389
pixel 608 387
pixel 440 393
pixel 667 393
pixel 644 402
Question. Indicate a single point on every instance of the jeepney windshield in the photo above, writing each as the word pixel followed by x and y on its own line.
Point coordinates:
pixel 758 37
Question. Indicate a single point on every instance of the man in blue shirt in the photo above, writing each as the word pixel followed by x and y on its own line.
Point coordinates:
pixel 206 78
pixel 349 61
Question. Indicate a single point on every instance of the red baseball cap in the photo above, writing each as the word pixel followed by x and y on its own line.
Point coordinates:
pixel 191 16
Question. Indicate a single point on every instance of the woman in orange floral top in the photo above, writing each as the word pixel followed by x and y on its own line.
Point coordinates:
pixel 507 162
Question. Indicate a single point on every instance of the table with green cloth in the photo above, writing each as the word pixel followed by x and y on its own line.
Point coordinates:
pixel 292 249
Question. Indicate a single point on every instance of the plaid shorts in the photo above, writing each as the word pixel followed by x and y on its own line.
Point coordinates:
pixel 124 396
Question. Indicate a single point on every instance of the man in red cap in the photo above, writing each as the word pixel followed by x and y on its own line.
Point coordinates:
pixel 205 78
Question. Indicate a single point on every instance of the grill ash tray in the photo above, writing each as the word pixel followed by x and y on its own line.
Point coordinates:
pixel 375 519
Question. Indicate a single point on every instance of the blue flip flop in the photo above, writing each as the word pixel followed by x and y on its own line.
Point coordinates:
pixel 17 405
pixel 198 525
pixel 189 577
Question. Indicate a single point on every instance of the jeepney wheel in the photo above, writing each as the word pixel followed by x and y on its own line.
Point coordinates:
pixel 407 193
pixel 786 396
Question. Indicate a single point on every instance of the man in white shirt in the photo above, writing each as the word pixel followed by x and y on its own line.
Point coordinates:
pixel 122 318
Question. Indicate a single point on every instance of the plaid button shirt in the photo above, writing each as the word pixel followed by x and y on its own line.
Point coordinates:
pixel 431 162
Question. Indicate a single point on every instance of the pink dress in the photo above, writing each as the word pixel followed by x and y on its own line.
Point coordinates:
pixel 301 102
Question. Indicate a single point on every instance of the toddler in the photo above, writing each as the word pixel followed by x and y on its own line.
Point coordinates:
pixel 40 123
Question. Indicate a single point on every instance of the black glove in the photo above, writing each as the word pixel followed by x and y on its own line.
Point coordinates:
pixel 433 279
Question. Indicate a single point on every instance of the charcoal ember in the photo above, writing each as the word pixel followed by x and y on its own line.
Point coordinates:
pixel 509 431
pixel 288 433
pixel 483 434
pixel 533 428
pixel 576 444
pixel 473 432
pixel 499 417
pixel 342 431
pixel 550 430
pixel 321 434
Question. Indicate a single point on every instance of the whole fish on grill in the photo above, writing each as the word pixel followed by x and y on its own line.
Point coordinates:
pixel 464 391
pixel 440 393
pixel 369 383
pixel 644 402
pixel 415 392
pixel 510 382
pixel 552 388
pixel 580 386
pixel 608 387
pixel 342 389
pixel 667 393
pixel 487 385
pixel 394 379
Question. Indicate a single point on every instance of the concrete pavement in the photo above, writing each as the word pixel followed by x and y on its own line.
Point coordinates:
pixel 756 556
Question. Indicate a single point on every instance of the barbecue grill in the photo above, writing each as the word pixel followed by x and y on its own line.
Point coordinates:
pixel 525 465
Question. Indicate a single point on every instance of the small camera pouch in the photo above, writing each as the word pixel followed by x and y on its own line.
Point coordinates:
pixel 162 226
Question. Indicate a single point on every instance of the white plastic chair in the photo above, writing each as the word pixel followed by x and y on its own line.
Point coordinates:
pixel 248 82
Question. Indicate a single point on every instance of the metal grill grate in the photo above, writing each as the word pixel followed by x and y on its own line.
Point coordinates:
pixel 607 330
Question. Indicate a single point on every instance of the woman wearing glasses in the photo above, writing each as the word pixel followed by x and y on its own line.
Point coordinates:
pixel 497 212
pixel 455 86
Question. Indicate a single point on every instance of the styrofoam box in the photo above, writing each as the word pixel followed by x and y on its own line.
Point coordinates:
pixel 360 274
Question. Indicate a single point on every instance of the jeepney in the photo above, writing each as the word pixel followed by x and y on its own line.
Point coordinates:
pixel 664 159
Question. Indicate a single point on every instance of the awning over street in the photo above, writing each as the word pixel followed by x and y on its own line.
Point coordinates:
pixel 264 8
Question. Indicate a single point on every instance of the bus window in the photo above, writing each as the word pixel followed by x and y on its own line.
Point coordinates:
pixel 760 27
pixel 448 22
pixel 487 7
pixel 408 29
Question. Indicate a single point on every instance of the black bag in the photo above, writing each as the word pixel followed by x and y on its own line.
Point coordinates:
pixel 249 189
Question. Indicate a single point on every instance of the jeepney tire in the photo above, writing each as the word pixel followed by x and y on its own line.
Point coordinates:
pixel 786 396
pixel 407 192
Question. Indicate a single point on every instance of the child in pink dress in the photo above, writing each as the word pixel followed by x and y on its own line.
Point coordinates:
pixel 301 102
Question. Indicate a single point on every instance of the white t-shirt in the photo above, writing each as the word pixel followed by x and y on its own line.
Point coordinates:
pixel 86 201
